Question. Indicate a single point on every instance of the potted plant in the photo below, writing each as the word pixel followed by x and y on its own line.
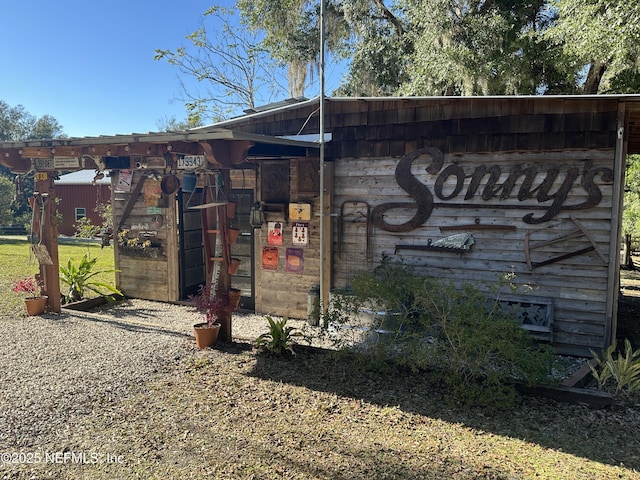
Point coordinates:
pixel 216 308
pixel 143 247
pixel 34 301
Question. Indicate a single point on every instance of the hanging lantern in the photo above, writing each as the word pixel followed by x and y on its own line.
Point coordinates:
pixel 257 215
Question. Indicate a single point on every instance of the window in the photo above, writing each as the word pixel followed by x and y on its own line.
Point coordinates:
pixel 80 213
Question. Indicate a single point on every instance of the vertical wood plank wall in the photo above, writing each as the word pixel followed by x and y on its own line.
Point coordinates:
pixel 578 285
pixel 147 278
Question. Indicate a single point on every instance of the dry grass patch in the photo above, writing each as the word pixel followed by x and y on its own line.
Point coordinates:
pixel 230 413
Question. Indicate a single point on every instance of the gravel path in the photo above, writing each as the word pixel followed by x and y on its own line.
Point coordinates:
pixel 55 367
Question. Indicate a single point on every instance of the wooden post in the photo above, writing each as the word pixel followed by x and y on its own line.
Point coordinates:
pixel 49 274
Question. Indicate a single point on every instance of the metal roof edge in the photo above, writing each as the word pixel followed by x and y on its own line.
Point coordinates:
pixel 265 113
pixel 204 134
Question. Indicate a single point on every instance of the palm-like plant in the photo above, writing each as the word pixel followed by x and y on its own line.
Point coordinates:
pixel 280 338
pixel 80 278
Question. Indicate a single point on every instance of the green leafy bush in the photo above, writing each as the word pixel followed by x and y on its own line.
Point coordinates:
pixel 80 278
pixel 453 332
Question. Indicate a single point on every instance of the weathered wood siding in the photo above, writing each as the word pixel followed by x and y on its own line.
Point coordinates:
pixel 577 284
pixel 280 292
pixel 558 139
pixel 147 278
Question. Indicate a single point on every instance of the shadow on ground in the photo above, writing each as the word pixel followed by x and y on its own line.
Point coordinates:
pixel 575 429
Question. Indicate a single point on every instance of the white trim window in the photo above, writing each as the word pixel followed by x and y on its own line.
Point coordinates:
pixel 80 212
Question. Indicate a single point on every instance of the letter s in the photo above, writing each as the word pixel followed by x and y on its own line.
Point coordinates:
pixel 417 190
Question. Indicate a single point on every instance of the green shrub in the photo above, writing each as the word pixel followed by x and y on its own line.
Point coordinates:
pixel 455 333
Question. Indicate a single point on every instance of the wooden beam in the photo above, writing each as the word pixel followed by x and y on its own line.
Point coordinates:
pixel 11 159
pixel 65 151
pixel 188 148
pixel 36 152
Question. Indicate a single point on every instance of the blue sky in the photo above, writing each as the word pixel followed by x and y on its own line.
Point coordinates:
pixel 90 64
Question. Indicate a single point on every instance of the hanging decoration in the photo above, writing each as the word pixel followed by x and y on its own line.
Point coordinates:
pixel 125 178
pixel 300 234
pixel 295 260
pixel 269 258
pixel 152 192
pixel 274 233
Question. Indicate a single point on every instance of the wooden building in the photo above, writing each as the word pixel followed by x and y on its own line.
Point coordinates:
pixel 464 188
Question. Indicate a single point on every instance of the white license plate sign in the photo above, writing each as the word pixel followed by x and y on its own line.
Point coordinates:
pixel 190 161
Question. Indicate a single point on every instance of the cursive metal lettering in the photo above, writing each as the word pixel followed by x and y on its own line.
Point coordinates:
pixel 423 198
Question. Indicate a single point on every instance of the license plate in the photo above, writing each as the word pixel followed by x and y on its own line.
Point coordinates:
pixel 191 161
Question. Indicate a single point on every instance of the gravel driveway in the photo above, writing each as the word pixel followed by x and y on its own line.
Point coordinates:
pixel 55 367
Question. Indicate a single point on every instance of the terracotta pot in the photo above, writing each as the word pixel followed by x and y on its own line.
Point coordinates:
pixel 234 297
pixel 234 264
pixel 234 233
pixel 35 305
pixel 230 209
pixel 206 336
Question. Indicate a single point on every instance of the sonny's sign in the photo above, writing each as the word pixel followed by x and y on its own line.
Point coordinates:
pixel 520 183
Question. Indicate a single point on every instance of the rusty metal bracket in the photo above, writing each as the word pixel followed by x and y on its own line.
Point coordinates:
pixel 578 232
pixel 362 214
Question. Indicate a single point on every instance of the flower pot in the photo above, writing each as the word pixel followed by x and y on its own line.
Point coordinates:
pixel 206 336
pixel 234 233
pixel 234 264
pixel 35 305
pixel 234 297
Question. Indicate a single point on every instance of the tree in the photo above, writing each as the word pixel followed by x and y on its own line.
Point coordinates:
pixel 18 124
pixel 484 48
pixel 6 196
pixel 631 208
pixel 461 47
pixel 292 32
pixel 237 72
pixel 602 38
pixel 172 124
pixel 46 127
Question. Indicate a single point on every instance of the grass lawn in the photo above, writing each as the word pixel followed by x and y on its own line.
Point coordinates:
pixel 17 261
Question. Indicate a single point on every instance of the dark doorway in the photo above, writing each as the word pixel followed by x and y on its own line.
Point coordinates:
pixel 192 266
pixel 243 249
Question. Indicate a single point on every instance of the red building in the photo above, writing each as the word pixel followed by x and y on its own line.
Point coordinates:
pixel 78 196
